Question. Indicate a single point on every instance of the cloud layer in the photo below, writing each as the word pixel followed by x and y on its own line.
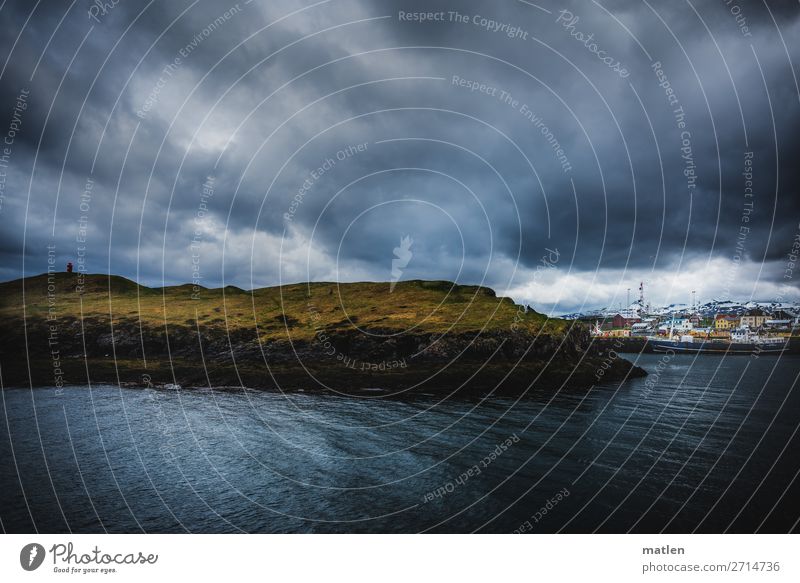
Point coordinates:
pixel 639 141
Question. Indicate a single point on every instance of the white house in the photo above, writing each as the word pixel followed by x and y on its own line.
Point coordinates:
pixel 681 324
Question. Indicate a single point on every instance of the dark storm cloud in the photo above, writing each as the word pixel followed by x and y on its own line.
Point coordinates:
pixel 160 97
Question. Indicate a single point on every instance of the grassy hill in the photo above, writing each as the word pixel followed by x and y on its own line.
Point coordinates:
pixel 425 306
pixel 354 335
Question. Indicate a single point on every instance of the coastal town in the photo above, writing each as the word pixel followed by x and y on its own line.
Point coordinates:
pixel 714 320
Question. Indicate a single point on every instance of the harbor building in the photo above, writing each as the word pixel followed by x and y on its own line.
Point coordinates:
pixel 726 322
pixel 754 318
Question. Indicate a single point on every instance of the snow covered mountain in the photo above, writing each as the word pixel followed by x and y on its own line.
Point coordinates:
pixel 707 310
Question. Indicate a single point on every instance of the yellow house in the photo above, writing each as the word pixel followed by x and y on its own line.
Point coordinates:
pixel 754 318
pixel 725 322
pixel 618 333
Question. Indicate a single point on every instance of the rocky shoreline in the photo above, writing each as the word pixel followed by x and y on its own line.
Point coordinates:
pixel 347 362
pixel 423 337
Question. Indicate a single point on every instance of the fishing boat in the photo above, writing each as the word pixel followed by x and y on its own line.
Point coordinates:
pixel 742 341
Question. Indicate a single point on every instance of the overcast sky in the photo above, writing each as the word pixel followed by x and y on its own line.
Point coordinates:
pixel 558 152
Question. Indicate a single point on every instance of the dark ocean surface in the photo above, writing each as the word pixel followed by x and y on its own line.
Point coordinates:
pixel 705 443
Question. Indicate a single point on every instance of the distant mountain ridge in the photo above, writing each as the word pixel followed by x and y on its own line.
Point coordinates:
pixel 707 309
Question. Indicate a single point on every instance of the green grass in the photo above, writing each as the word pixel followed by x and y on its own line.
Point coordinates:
pixel 418 306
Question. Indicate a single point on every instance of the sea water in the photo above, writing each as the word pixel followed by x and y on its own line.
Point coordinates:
pixel 705 443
